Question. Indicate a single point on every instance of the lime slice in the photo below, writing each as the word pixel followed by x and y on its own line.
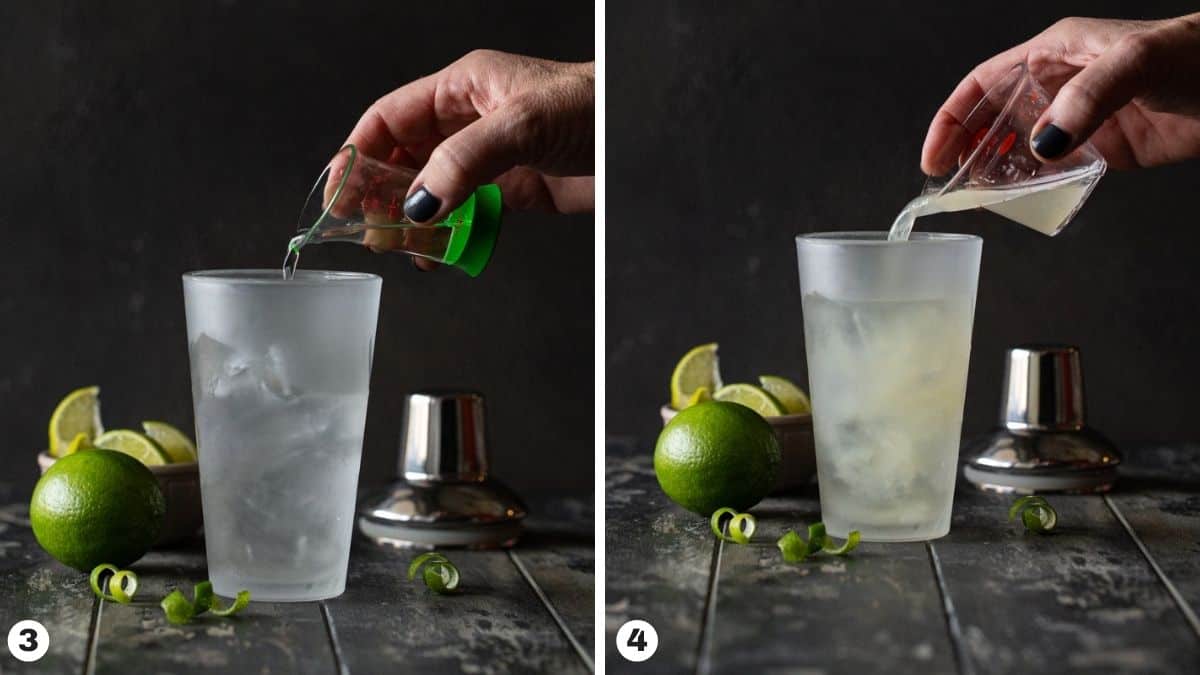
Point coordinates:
pixel 80 442
pixel 699 396
pixel 175 443
pixel 78 413
pixel 139 446
pixel 698 368
pixel 754 398
pixel 793 398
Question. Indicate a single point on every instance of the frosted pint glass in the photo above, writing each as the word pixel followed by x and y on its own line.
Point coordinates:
pixel 887 326
pixel 280 373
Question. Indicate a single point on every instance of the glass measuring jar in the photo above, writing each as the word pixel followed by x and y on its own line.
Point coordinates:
pixel 360 200
pixel 998 170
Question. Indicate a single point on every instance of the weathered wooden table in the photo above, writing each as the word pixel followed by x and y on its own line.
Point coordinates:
pixel 528 610
pixel 1113 590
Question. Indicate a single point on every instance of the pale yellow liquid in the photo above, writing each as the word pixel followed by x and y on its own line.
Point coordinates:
pixel 1043 207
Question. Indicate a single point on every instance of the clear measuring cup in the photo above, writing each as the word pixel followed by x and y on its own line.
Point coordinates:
pixel 998 170
pixel 361 200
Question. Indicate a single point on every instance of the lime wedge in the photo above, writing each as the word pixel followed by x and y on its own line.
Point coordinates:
pixel 78 413
pixel 175 443
pixel 698 368
pixel 136 445
pixel 80 442
pixel 699 396
pixel 754 398
pixel 793 398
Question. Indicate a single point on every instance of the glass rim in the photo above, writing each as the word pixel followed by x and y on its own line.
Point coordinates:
pixel 322 179
pixel 274 277
pixel 879 238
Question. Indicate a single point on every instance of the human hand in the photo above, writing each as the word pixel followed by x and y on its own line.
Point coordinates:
pixel 1128 86
pixel 526 124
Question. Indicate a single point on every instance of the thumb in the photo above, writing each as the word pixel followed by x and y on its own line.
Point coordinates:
pixel 475 155
pixel 1091 97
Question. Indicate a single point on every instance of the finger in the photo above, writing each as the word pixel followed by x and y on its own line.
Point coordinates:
pixel 947 136
pixel 351 186
pixel 425 264
pixel 403 117
pixel 573 194
pixel 475 155
pixel 1092 96
pixel 416 114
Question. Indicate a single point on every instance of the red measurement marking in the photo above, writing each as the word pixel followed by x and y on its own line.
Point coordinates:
pixel 1007 143
pixel 978 138
pixel 394 210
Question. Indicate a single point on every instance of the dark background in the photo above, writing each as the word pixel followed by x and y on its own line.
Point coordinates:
pixel 141 140
pixel 733 127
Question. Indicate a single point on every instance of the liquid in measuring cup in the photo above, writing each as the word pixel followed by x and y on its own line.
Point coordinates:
pixel 1045 206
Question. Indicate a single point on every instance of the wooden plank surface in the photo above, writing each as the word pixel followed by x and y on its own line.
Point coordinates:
pixel 497 624
pixel 989 598
pixel 559 553
pixel 658 559
pixel 1158 495
pixel 494 624
pixel 34 586
pixel 880 605
pixel 263 638
pixel 1081 600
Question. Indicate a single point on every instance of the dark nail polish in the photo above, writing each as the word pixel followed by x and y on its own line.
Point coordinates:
pixel 421 206
pixel 1051 141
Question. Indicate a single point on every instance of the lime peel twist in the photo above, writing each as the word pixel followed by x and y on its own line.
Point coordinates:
pixel 795 549
pixel 179 610
pixel 440 575
pixel 121 584
pixel 1036 513
pixel 741 525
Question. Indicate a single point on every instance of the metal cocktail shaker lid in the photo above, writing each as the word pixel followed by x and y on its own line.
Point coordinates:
pixel 445 496
pixel 1043 443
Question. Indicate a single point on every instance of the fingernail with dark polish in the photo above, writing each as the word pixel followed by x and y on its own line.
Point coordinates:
pixel 1051 141
pixel 421 206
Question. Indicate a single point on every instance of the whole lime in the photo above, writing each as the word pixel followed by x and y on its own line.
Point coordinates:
pixel 716 454
pixel 97 506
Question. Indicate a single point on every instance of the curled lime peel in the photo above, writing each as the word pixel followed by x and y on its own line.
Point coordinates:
pixel 431 557
pixel 123 585
pixel 95 580
pixel 792 546
pixel 816 538
pixel 1036 514
pixel 718 525
pixel 239 603
pixel 847 546
pixel 177 608
pixel 742 527
pixel 202 597
pixel 795 549
pixel 440 575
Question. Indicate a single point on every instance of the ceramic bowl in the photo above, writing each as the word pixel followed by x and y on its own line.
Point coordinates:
pixel 798 463
pixel 180 484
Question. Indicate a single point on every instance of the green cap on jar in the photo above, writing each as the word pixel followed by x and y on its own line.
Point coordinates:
pixel 476 224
